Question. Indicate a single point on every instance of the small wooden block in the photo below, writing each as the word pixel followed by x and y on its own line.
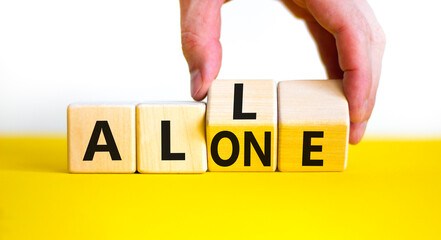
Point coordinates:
pixel 313 126
pixel 171 137
pixel 242 125
pixel 101 138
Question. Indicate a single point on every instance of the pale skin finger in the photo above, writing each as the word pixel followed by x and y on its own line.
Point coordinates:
pixel 200 33
pixel 358 40
pixel 346 33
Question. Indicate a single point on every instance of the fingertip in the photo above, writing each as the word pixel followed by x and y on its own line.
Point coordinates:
pixel 195 82
pixel 199 84
pixel 358 112
pixel 357 132
pixel 198 97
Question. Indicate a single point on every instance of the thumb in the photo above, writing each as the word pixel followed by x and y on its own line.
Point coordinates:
pixel 200 33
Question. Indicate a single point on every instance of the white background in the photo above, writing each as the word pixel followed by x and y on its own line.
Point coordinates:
pixel 53 53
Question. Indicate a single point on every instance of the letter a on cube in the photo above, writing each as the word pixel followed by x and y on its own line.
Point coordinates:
pixel 313 126
pixel 101 138
pixel 242 125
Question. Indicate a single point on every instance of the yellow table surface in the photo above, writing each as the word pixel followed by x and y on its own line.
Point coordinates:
pixel 391 189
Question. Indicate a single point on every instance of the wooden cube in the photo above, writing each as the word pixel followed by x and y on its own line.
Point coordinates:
pixel 171 137
pixel 313 126
pixel 101 138
pixel 242 125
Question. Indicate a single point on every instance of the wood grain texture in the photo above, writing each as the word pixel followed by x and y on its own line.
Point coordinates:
pixel 259 96
pixel 82 119
pixel 187 135
pixel 312 106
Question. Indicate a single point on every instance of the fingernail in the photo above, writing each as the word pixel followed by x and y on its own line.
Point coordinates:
pixel 363 126
pixel 357 132
pixel 362 129
pixel 195 82
pixel 365 109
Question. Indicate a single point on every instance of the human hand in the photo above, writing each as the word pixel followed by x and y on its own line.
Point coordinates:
pixel 348 37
